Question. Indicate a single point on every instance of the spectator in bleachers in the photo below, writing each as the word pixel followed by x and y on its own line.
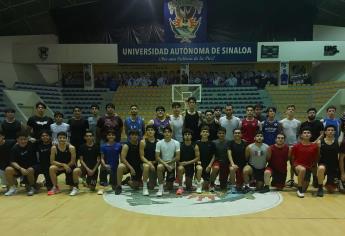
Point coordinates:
pixel 39 122
pixel 59 126
pixel 231 81
pixel 92 120
pixel 161 81
pixel 10 126
pixel 110 121
pixel 78 126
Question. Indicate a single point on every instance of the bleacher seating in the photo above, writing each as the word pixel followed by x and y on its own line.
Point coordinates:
pixel 239 97
pixel 147 99
pixel 64 99
pixel 303 96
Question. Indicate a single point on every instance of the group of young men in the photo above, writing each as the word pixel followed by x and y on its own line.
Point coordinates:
pixel 189 148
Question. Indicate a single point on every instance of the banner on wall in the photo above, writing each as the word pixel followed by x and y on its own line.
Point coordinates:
pixel 89 82
pixel 188 53
pixel 284 73
pixel 185 21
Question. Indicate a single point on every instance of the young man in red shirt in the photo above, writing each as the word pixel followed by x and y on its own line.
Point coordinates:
pixel 304 156
pixel 278 156
pixel 249 125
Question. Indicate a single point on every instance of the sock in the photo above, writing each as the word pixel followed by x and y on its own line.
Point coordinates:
pixel 300 189
pixel 144 184
pixel 320 186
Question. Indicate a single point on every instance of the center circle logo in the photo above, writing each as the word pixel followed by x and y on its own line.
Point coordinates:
pixel 207 204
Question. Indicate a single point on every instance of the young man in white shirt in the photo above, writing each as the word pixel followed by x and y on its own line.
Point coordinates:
pixel 167 152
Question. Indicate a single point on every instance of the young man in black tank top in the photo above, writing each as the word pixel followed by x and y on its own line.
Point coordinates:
pixel 23 162
pixel 90 160
pixel 189 156
pixel 63 160
pixel 192 118
pixel 207 150
pixel 148 157
pixel 328 163
pixel 130 162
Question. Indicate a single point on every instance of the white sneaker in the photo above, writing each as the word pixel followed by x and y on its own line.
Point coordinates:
pixel 31 191
pixel 11 191
pixel 299 194
pixel 160 191
pixel 74 191
pixel 100 192
pixel 145 192
pixel 198 188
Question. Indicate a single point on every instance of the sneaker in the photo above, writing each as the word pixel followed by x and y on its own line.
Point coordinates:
pixel 160 191
pixel 290 183
pixel 145 192
pixel 53 191
pixel 212 189
pixel 31 191
pixel 300 194
pixel 265 189
pixel 74 191
pixel 198 188
pixel 100 192
pixel 11 191
pixel 246 189
pixel 319 192
pixel 118 190
pixel 179 191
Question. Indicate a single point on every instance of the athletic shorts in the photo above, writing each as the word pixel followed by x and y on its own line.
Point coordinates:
pixel 69 176
pixel 189 170
pixel 90 180
pixel 138 173
pixel 36 168
pixel 307 174
pixel 223 172
pixel 258 174
pixel 278 178
pixel 239 177
pixel 332 173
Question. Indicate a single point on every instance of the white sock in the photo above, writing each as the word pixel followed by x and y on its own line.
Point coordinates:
pixel 144 184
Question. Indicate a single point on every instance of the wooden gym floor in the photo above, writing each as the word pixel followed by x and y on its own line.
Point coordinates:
pixel 89 214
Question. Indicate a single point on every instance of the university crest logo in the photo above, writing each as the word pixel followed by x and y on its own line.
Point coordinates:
pixel 187 18
pixel 207 204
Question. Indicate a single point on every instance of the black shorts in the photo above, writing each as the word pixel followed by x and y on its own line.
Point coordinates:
pixel 258 174
pixel 332 172
pixel 36 168
pixel 138 173
pixel 69 176
pixel 189 170
pixel 170 175
pixel 90 180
